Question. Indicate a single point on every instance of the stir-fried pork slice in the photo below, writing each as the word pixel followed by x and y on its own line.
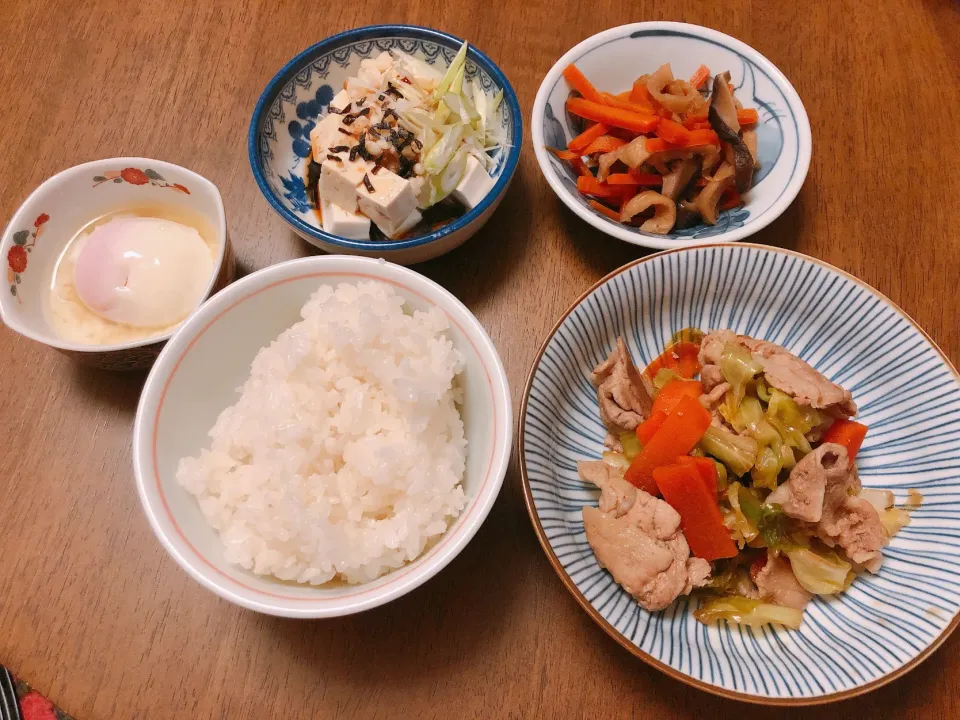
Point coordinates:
pixel 791 375
pixel 645 551
pixel 617 495
pixel 823 489
pixel 802 495
pixel 781 369
pixel 624 399
pixel 777 584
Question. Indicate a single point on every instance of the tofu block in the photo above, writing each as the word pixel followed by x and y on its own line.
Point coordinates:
pixel 474 185
pixel 338 182
pixel 340 100
pixel 394 230
pixel 338 221
pixel 325 135
pixel 391 201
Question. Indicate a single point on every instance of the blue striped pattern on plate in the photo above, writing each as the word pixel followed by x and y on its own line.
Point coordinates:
pixel 907 392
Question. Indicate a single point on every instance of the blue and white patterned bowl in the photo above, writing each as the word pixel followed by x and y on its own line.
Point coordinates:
pixel 279 139
pixel 614 58
pixel 908 394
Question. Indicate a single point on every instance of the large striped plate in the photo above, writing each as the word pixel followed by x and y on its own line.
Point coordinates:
pixel 908 393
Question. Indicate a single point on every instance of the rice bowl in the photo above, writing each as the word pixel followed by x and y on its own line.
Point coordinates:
pixel 201 372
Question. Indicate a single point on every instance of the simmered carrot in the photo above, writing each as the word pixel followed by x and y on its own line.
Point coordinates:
pixel 673 132
pixel 679 357
pixel 700 516
pixel 634 177
pixel 730 199
pixel 669 396
pixel 604 144
pixel 581 169
pixel 655 145
pixel 700 76
pixel 614 101
pixel 592 186
pixel 848 433
pixel 625 95
pixel 697 125
pixel 640 94
pixel 682 429
pixel 706 469
pixel 747 116
pixel 564 154
pixel 581 141
pixel 604 210
pixel 702 137
pixel 648 428
pixel 611 115
pixel 693 118
pixel 578 81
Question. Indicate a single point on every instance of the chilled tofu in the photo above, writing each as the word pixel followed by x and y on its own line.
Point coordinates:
pixel 340 100
pixel 474 185
pixel 392 229
pixel 338 221
pixel 326 135
pixel 339 181
pixel 391 201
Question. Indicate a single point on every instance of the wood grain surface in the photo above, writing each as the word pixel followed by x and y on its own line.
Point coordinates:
pixel 96 615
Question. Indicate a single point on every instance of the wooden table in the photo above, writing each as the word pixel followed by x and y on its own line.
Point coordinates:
pixel 92 610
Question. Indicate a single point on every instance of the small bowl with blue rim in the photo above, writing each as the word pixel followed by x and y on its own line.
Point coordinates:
pixel 614 58
pixel 300 93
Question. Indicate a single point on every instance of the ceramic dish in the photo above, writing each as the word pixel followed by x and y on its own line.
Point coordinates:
pixel 214 349
pixel 279 139
pixel 69 201
pixel 908 394
pixel 614 58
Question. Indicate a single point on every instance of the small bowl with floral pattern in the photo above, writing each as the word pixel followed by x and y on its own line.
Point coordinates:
pixel 300 93
pixel 51 217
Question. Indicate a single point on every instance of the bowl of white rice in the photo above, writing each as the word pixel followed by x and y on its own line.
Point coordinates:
pixel 322 436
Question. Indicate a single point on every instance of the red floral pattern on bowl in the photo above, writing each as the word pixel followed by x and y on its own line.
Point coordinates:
pixel 19 253
pixel 135 176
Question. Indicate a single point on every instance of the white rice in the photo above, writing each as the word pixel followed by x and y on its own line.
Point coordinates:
pixel 344 455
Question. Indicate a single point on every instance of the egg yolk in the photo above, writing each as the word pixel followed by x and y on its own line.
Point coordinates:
pixel 144 272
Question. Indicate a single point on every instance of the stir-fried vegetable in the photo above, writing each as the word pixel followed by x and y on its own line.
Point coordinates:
pixel 671 393
pixel 683 488
pixel 648 428
pixel 681 357
pixel 894 520
pixel 792 421
pixel 706 470
pixel 737 452
pixel 738 368
pixel 771 524
pixel 682 429
pixel 848 433
pixel 630 444
pixel 745 611
pixel 820 573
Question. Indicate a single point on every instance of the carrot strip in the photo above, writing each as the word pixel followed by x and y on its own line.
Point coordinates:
pixel 702 137
pixel 673 132
pixel 578 81
pixel 700 76
pixel 670 394
pixel 563 154
pixel 625 95
pixel 592 186
pixel 679 357
pixel 655 145
pixel 648 428
pixel 747 116
pixel 706 469
pixel 730 199
pixel 682 429
pixel 700 516
pixel 634 177
pixel 848 433
pixel 586 137
pixel 614 101
pixel 611 116
pixel 604 210
pixel 640 94
pixel 581 168
pixel 604 144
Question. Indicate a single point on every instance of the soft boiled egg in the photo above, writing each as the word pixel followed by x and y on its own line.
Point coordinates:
pixel 143 271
